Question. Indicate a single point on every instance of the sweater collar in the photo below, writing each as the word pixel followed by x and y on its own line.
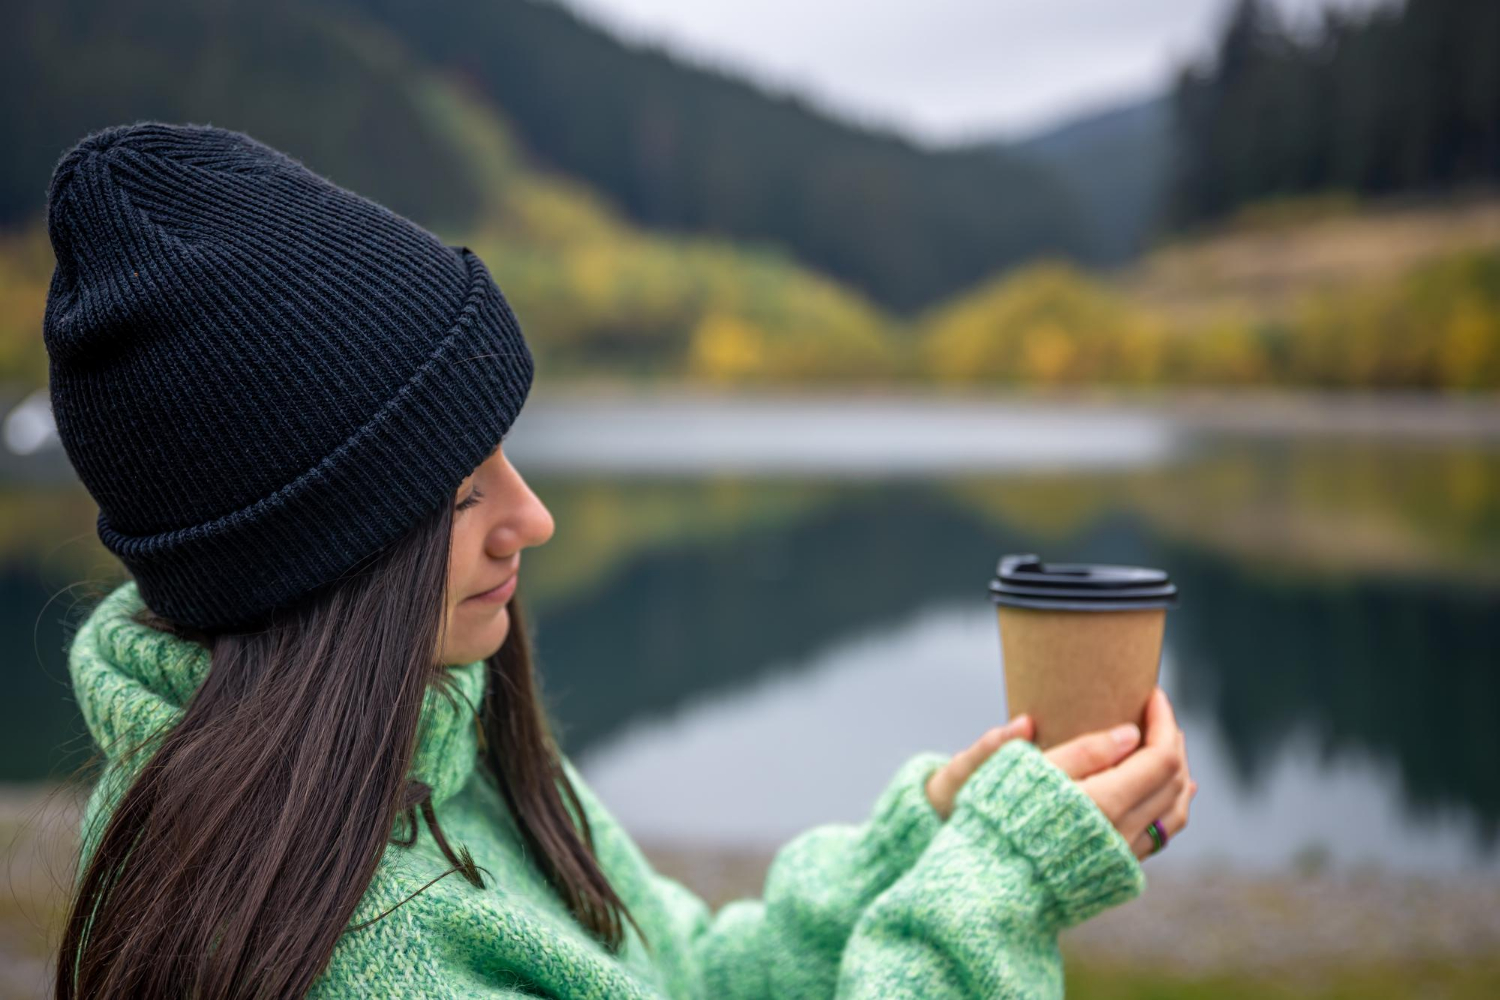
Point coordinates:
pixel 130 680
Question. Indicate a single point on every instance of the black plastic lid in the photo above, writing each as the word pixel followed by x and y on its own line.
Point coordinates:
pixel 1024 581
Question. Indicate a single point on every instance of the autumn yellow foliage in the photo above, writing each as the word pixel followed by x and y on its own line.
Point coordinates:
pixel 598 295
pixel 1438 326
pixel 1048 323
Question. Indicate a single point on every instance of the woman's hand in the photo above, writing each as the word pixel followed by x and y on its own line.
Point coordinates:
pixel 1151 783
pixel 945 782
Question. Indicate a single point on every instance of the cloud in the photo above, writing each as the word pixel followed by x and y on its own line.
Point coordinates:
pixel 939 70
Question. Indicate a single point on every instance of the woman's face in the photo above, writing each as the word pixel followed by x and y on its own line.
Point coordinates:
pixel 496 516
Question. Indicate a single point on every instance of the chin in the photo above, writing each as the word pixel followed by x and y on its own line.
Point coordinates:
pixel 479 641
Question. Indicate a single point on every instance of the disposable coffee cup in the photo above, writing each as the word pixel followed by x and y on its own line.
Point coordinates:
pixel 1081 642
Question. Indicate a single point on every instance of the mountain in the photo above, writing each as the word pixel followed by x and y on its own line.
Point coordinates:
pixel 597 294
pixel 673 146
pixel 1116 163
pixel 329 89
pixel 683 147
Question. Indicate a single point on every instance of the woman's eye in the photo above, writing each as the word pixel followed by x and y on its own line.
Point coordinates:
pixel 468 501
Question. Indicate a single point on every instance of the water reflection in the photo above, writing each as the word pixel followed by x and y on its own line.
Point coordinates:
pixel 1402 670
pixel 762 763
pixel 1392 671
pixel 1335 649
pixel 42 734
pixel 678 622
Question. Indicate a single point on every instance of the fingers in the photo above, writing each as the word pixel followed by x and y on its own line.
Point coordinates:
pixel 1136 780
pixel 1142 846
pixel 1121 788
pixel 945 782
pixel 1024 728
pixel 1152 783
pixel 1173 821
pixel 1161 799
pixel 1161 721
pixel 1092 752
pixel 1155 806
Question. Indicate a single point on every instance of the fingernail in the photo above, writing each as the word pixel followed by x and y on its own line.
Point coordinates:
pixel 1125 735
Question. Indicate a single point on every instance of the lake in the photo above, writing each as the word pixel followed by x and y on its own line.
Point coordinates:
pixel 753 610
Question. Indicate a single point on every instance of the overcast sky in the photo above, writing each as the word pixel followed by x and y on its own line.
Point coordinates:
pixel 940 70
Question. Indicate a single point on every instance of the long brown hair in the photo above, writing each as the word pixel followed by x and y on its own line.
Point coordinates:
pixel 259 819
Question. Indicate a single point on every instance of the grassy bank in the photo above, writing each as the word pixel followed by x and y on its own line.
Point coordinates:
pixel 1194 934
pixel 1375 980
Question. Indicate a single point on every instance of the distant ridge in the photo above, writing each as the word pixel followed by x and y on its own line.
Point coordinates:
pixel 677 147
pixel 1116 162
pixel 680 146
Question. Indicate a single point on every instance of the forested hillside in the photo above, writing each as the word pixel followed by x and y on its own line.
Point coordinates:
pixel 687 149
pixel 595 292
pixel 331 90
pixel 1401 98
pixel 650 219
pixel 672 146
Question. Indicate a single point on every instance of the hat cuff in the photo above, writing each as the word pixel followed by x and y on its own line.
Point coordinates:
pixel 395 469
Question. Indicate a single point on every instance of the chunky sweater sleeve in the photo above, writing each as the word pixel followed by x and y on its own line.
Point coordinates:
pixel 906 905
pixel 1025 854
pixel 900 905
pixel 455 941
pixel 788 942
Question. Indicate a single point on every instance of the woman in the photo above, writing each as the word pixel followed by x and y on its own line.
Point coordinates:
pixel 328 770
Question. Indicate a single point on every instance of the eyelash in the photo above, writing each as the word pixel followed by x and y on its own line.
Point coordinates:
pixel 469 500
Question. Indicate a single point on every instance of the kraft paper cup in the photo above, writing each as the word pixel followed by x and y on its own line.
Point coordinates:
pixel 1081 642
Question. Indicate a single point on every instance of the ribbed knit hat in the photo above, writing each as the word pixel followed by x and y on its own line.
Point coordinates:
pixel 262 378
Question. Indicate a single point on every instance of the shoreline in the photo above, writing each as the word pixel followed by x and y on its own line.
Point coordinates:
pixel 1187 926
pixel 1224 410
pixel 1207 923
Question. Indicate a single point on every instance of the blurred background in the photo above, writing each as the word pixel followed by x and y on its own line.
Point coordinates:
pixel 834 304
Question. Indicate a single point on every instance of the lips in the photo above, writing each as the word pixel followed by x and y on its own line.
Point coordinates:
pixel 498 585
pixel 504 580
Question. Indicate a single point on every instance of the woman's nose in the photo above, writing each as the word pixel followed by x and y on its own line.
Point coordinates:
pixel 529 518
pixel 539 521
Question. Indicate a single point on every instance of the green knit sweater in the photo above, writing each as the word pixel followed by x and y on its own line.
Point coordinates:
pixel 902 904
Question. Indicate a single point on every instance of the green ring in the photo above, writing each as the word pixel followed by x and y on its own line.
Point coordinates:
pixel 1156 842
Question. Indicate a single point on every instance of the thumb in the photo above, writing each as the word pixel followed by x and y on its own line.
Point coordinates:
pixel 946 780
pixel 1091 752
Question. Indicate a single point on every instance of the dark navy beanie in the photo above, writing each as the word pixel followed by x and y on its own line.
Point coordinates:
pixel 261 378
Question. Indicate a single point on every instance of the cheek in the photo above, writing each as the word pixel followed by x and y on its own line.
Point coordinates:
pixel 463 555
pixel 475 628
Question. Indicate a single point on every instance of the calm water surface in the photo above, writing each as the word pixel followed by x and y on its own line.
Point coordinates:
pixel 749 615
